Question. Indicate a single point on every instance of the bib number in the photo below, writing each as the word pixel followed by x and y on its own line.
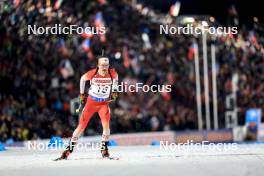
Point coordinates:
pixel 100 91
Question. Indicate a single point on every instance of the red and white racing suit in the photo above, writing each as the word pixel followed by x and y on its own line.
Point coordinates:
pixel 98 97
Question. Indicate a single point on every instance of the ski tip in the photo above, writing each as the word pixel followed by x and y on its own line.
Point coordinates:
pixel 58 159
pixel 111 158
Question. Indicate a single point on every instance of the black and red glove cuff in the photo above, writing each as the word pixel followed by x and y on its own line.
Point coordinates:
pixel 83 98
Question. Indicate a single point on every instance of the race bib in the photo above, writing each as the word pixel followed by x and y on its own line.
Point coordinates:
pixel 101 87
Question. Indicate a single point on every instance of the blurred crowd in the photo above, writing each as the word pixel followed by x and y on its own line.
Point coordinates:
pixel 39 74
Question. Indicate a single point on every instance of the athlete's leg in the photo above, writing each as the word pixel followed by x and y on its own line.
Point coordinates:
pixel 85 117
pixel 104 113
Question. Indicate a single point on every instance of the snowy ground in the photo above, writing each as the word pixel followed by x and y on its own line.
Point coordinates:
pixel 245 160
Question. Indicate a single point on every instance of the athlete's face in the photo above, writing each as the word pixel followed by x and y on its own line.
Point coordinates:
pixel 103 65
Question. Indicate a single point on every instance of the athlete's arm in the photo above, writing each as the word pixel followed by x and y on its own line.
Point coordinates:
pixel 84 86
pixel 83 83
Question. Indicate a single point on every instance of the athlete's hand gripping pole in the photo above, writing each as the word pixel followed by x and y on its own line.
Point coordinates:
pixel 83 98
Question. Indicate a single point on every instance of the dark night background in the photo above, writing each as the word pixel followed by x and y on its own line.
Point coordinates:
pixel 217 8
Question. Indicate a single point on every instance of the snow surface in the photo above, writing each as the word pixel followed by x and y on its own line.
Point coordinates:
pixel 245 160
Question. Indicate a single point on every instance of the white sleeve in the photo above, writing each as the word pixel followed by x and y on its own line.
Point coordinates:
pixel 82 83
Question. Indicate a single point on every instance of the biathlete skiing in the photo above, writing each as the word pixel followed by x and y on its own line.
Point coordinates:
pixel 101 83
